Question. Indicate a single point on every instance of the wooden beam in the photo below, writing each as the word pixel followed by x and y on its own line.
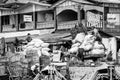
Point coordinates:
pixel 104 13
pixel 16 24
pixel 0 21
pixel 86 19
pixel 34 19
pixel 79 14
pixel 55 19
pixel 0 24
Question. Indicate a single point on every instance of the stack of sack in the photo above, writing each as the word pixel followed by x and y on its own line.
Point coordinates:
pixel 36 46
pixel 34 50
pixel 98 48
pixel 77 42
pixel 82 41
pixel 88 42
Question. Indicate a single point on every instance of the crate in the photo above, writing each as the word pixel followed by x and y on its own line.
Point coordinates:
pixel 2 70
pixel 15 70
pixel 3 59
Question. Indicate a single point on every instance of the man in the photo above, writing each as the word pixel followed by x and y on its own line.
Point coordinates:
pixel 16 43
pixel 96 33
pixel 2 47
pixel 29 38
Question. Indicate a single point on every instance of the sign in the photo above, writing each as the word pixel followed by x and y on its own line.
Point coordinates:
pixel 94 19
pixel 114 10
pixel 110 5
pixel 113 20
pixel 27 18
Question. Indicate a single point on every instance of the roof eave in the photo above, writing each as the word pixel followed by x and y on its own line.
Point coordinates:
pixel 62 1
pixel 57 3
pixel 31 3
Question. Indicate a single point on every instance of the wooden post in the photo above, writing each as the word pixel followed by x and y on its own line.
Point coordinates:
pixel 1 24
pixel 86 19
pixel 79 14
pixel 104 13
pixel 0 21
pixel 17 26
pixel 34 20
pixel 55 19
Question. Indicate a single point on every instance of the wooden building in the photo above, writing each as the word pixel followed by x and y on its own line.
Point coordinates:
pixel 72 12
pixel 64 14
pixel 27 17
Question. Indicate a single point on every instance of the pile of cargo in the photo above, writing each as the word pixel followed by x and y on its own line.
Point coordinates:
pixel 87 42
pixel 19 61
pixel 36 46
pixel 36 49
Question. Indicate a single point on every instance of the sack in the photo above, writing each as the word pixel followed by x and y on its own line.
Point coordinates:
pixel 73 49
pixel 76 45
pixel 37 44
pixel 79 37
pixel 30 44
pixel 45 53
pixel 46 49
pixel 45 45
pixel 87 47
pixel 97 51
pixel 37 40
pixel 98 45
pixel 89 38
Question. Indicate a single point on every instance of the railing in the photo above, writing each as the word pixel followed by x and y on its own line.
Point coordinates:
pixel 27 26
pixel 45 25
pixel 95 24
pixel 8 28
pixel 67 25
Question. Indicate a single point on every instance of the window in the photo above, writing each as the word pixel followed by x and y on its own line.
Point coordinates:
pixel 5 20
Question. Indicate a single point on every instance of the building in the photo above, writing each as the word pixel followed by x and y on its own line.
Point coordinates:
pixel 111 15
pixel 65 14
pixel 25 18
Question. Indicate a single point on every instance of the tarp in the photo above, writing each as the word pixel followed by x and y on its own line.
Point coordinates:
pixel 55 37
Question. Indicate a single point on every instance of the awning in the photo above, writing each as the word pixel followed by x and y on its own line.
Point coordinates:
pixel 56 37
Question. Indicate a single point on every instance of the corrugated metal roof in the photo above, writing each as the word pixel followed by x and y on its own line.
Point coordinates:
pixel 107 1
pixel 39 3
pixel 77 1
pixel 54 37
pixel 83 1
pixel 21 1
pixel 36 3
pixel 5 8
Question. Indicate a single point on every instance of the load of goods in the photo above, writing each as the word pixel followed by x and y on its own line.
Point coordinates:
pixel 35 59
pixel 93 57
pixel 82 61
